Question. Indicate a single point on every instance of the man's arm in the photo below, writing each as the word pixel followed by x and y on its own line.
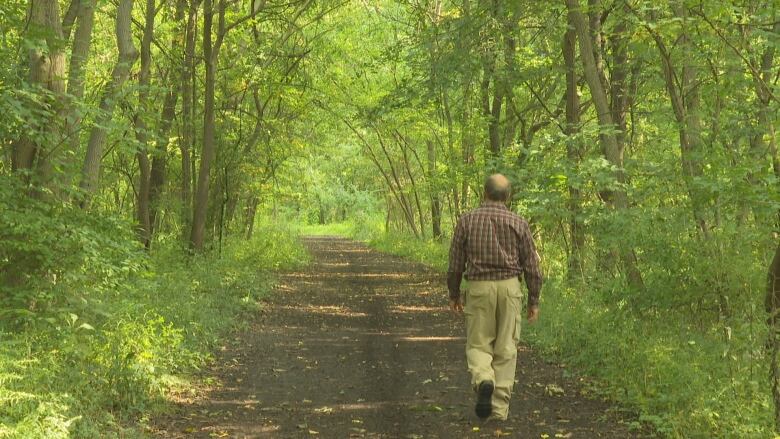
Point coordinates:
pixel 457 260
pixel 531 272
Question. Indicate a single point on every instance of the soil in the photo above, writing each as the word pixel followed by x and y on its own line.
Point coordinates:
pixel 361 344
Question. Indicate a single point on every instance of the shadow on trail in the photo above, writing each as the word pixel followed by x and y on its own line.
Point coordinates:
pixel 361 345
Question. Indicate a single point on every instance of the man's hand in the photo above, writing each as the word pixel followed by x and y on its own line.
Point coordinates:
pixel 456 305
pixel 533 313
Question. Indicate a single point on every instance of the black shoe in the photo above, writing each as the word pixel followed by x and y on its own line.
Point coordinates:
pixel 484 395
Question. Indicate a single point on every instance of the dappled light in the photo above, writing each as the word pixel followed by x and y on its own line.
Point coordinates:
pixel 325 310
pixel 415 309
pixel 254 218
pixel 312 366
pixel 431 339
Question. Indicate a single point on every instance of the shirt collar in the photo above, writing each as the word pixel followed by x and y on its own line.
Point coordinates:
pixel 495 204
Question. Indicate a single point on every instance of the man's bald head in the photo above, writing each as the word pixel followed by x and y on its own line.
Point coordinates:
pixel 497 188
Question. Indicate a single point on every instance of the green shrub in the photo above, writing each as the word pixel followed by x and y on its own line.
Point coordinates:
pixel 54 254
pixel 90 368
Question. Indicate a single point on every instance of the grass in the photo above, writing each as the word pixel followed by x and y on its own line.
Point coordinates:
pixel 100 372
pixel 684 376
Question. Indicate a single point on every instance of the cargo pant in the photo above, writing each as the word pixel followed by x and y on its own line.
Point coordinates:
pixel 493 317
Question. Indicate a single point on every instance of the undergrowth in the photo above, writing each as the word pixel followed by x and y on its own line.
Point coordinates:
pixel 101 361
pixel 684 376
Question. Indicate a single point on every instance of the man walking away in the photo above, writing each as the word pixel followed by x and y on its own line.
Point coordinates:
pixel 493 247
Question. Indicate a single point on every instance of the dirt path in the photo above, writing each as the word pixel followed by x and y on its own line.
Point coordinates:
pixel 360 345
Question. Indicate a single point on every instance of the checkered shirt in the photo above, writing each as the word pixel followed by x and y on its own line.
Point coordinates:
pixel 493 243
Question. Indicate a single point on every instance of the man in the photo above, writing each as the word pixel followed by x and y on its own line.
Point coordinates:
pixel 493 247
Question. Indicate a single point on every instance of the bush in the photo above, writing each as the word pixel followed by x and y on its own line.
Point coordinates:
pixel 54 255
pixel 91 369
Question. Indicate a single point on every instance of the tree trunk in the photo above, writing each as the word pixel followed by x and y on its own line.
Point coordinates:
pixel 210 57
pixel 435 199
pixel 90 172
pixel 188 115
pixel 573 151
pixel 160 155
pixel 46 61
pixel 250 216
pixel 415 192
pixel 772 305
pixel 82 41
pixel 509 29
pixel 764 117
pixel 685 105
pixel 160 158
pixel 141 130
pixel 491 105
pixel 612 149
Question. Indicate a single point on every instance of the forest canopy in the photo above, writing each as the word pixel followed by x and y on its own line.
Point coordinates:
pixel 640 138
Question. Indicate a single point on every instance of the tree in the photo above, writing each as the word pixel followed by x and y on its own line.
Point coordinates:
pixel 613 150
pixel 90 171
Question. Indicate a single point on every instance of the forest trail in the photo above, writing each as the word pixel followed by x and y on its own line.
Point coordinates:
pixel 361 345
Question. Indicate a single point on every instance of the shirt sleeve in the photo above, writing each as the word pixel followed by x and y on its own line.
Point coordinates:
pixel 530 258
pixel 457 259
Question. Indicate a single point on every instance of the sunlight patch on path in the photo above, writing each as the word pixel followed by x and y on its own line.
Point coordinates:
pixel 329 310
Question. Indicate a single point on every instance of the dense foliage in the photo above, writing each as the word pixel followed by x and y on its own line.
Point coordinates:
pixel 640 138
pixel 141 138
pixel 107 355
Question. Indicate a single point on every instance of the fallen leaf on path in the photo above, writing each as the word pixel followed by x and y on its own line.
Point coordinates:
pixel 313 432
pixel 553 390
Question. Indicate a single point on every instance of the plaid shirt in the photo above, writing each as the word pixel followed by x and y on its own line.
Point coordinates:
pixel 492 243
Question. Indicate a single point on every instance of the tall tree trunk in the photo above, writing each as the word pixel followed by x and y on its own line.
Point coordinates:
pixel 188 114
pixel 420 213
pixel 160 154
pixel 772 306
pixel 510 29
pixel 250 216
pixel 160 157
pixel 573 147
pixel 491 105
pixel 208 152
pixel 759 147
pixel 141 130
pixel 435 199
pixel 445 116
pixel 612 149
pixel 404 203
pixel 492 102
pixel 90 172
pixel 46 61
pixel 82 41
pixel 685 103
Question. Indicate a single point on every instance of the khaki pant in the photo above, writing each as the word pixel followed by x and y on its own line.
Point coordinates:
pixel 493 320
